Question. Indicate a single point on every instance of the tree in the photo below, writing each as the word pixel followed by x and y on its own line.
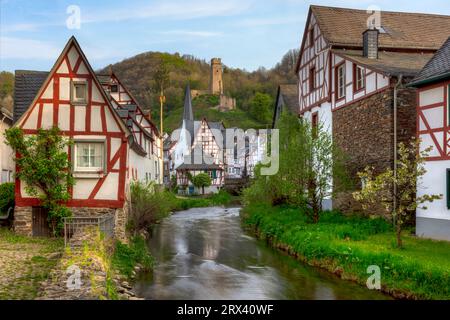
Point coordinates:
pixel 45 169
pixel 403 203
pixel 261 107
pixel 6 197
pixel 310 169
pixel 201 180
pixel 324 171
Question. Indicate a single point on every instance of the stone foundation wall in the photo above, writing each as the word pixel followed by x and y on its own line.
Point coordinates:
pixel 23 217
pixel 364 131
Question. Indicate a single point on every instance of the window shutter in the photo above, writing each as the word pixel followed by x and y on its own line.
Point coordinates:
pixel 448 188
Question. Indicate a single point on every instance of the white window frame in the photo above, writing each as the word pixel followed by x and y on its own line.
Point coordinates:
pixel 77 169
pixel 360 83
pixel 73 99
pixel 341 85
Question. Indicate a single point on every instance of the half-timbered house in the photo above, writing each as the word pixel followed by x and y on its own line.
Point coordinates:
pixel 198 149
pixel 110 148
pixel 433 129
pixel 352 70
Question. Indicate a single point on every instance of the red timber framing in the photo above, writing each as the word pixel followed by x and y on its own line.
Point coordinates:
pixel 318 55
pixel 440 136
pixel 144 125
pixel 73 65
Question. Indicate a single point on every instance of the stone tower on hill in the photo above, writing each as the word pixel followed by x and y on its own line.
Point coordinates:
pixel 226 103
pixel 216 82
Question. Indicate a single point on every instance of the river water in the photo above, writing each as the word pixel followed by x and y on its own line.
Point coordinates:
pixel 205 254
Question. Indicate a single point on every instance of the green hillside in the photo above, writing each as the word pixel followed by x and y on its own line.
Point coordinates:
pixel 139 73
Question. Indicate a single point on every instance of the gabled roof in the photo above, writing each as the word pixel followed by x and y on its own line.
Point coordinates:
pixel 438 68
pixel 344 27
pixel 73 42
pixel 389 63
pixel 26 86
pixel 287 99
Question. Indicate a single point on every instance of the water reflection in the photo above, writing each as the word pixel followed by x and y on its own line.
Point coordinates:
pixel 205 254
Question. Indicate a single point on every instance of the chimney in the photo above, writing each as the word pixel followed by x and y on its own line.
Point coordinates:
pixel 370 43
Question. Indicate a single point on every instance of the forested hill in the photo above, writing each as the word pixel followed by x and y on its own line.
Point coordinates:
pixel 254 91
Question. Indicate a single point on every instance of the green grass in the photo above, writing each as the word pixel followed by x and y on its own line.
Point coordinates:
pixel 348 245
pixel 126 257
pixel 222 198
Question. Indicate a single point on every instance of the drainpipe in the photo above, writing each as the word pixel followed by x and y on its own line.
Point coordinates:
pixel 396 87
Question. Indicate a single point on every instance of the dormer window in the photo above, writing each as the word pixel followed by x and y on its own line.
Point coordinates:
pixel 78 92
pixel 114 88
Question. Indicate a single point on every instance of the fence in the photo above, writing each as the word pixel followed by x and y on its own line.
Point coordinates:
pixel 76 225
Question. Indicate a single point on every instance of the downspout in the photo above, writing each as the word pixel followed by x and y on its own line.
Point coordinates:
pixel 396 87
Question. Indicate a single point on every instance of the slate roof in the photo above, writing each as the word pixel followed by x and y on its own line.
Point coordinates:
pixel 287 99
pixel 388 62
pixel 26 85
pixel 289 94
pixel 199 166
pixel 438 68
pixel 103 78
pixel 344 27
pixel 188 114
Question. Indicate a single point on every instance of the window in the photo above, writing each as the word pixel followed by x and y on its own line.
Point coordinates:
pixel 312 79
pixel 315 123
pixel 79 92
pixel 340 81
pixel 359 81
pixel 311 37
pixel 114 88
pixel 89 156
pixel 6 176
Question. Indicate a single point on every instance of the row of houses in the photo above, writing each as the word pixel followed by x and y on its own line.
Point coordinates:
pixel 375 79
pixel 202 146
pixel 115 142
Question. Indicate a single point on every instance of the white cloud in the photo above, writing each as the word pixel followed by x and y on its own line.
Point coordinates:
pixel 187 33
pixel 258 22
pixel 17 48
pixel 177 10
pixel 20 27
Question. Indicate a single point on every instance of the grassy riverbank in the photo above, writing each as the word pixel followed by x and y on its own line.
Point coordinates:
pixel 219 199
pixel 346 246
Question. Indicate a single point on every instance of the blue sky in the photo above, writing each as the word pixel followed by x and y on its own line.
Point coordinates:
pixel 244 33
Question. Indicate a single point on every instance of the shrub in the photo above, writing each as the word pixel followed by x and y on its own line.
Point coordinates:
pixel 6 196
pixel 126 257
pixel 221 198
pixel 149 204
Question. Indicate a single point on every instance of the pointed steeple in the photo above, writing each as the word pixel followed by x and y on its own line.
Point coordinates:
pixel 188 114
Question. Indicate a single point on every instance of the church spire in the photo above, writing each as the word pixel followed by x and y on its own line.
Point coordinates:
pixel 188 114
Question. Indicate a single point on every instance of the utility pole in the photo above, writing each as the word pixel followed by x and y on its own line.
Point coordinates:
pixel 162 99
